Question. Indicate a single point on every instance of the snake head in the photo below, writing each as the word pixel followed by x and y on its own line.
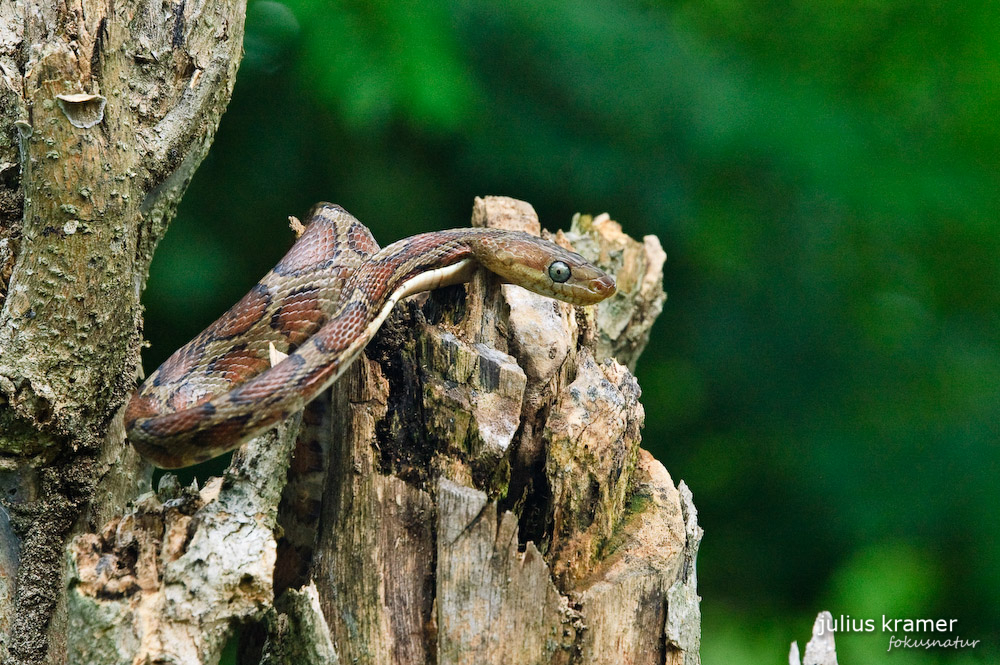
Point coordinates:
pixel 544 267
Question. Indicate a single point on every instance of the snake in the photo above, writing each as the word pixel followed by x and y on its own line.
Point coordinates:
pixel 318 308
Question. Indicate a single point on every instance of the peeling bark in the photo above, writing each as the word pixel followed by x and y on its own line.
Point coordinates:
pixel 106 109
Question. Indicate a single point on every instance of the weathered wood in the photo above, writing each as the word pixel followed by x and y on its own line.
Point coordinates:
pixel 486 407
pixel 298 632
pixel 624 322
pixel 821 649
pixel 106 109
pixel 170 580
pixel 495 604
pixel 374 556
pixel 627 599
pixel 682 630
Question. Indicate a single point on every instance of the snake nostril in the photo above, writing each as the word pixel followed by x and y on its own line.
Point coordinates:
pixel 604 285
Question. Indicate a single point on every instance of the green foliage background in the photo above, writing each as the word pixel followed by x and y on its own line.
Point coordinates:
pixel 824 178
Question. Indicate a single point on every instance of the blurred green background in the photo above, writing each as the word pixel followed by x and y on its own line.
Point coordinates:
pixel 824 178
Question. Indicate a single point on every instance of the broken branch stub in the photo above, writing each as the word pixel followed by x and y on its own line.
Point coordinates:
pixel 169 581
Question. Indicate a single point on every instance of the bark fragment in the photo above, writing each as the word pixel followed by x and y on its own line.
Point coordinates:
pixel 625 320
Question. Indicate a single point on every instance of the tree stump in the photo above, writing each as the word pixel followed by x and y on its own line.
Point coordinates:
pixel 471 491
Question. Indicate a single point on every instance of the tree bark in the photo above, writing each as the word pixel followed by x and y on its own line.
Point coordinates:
pixel 106 109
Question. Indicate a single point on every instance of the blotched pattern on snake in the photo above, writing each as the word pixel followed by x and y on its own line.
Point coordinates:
pixel 322 304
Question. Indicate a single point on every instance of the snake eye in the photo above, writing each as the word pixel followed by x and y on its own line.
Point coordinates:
pixel 559 271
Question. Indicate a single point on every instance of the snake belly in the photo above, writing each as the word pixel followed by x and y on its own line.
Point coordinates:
pixel 321 305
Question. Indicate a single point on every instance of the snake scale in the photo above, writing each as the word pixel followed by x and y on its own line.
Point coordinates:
pixel 321 305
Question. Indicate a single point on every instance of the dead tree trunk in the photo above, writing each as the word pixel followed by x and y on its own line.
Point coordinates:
pixel 106 109
pixel 473 491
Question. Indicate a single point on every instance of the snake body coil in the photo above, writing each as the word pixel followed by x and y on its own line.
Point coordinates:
pixel 321 305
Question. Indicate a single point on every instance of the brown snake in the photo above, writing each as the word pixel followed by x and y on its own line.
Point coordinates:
pixel 321 305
